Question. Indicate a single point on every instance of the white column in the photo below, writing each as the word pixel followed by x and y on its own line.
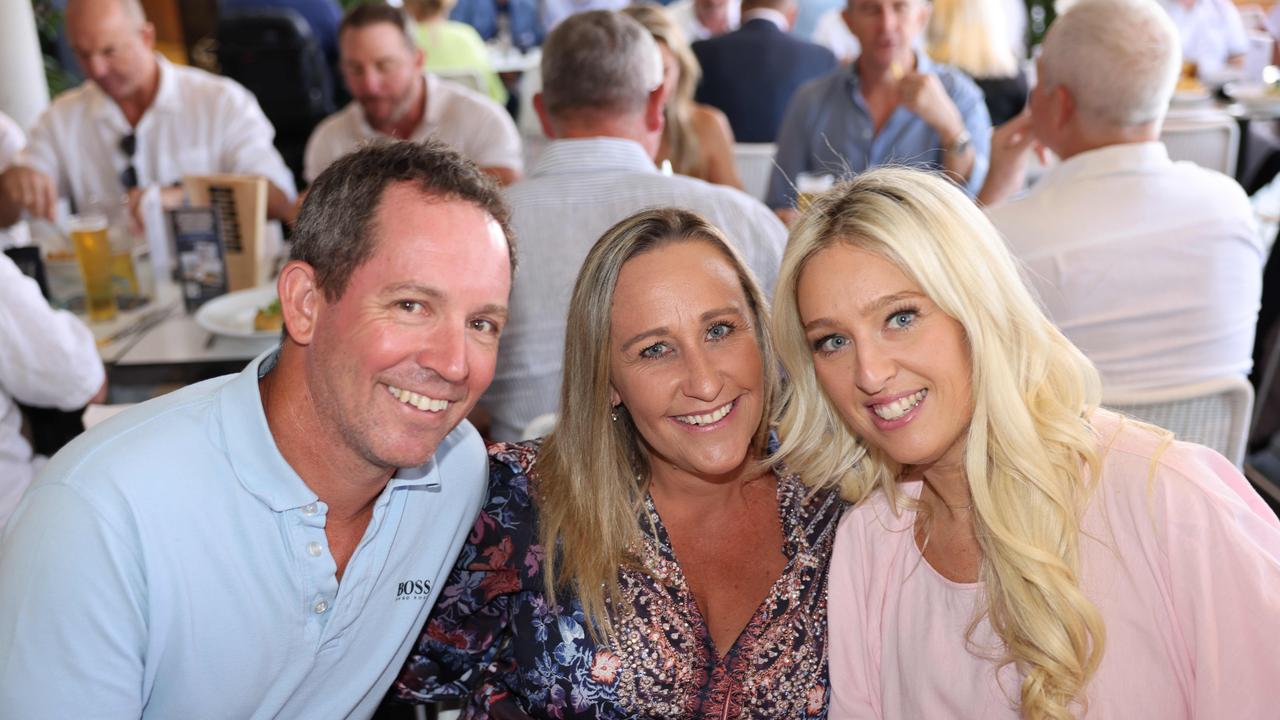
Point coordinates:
pixel 23 91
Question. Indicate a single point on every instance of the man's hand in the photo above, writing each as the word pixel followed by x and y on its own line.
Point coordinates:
pixel 170 197
pixel 923 95
pixel 24 188
pixel 1011 144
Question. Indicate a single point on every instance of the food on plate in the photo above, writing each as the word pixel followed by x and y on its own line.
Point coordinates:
pixel 269 318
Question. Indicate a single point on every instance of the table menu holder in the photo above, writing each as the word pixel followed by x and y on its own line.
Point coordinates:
pixel 240 202
pixel 198 242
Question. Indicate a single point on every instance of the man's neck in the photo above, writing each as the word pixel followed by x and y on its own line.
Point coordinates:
pixel 874 77
pixel 348 485
pixel 135 105
pixel 404 127
pixel 609 127
pixel 1082 142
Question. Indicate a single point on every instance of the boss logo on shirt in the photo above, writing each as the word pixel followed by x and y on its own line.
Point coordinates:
pixel 413 589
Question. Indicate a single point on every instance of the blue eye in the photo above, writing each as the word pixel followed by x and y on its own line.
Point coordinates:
pixel 720 331
pixel 902 319
pixel 655 350
pixel 830 344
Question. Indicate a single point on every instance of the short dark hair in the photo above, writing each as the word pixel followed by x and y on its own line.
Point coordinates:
pixel 372 13
pixel 334 230
pixel 599 61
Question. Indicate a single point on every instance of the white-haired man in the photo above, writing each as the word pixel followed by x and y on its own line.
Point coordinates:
pixel 1152 268
pixel 138 123
pixel 601 103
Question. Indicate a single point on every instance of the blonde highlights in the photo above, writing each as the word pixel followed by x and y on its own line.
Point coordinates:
pixel 1029 453
pixel 592 472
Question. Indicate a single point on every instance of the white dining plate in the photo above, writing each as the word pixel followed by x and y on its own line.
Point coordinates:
pixel 1255 96
pixel 232 314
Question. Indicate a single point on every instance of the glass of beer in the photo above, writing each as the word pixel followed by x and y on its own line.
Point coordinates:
pixel 93 251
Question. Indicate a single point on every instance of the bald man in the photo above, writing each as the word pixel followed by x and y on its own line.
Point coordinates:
pixel 138 123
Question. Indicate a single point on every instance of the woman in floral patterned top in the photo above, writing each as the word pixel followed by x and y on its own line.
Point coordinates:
pixel 689 580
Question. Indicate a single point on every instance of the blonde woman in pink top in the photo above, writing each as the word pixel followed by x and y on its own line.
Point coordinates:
pixel 1016 551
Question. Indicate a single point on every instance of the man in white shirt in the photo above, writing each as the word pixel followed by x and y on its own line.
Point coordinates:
pixel 1152 268
pixel 394 98
pixel 48 358
pixel 1212 34
pixel 139 123
pixel 601 105
pixel 702 19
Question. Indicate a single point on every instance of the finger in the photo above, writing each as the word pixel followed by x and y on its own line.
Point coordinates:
pixel 49 196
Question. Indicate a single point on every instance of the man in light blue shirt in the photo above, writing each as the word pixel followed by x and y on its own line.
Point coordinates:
pixel 893 106
pixel 268 544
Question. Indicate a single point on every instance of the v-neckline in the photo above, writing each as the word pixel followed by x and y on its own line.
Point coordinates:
pixel 676 581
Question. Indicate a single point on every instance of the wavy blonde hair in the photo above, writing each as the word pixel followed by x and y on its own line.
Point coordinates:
pixel 1029 447
pixel 971 35
pixel 593 471
pixel 678 133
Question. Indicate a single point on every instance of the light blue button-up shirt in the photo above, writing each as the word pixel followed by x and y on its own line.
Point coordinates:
pixel 828 129
pixel 170 563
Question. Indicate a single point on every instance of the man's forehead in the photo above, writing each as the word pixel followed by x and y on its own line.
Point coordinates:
pixel 378 36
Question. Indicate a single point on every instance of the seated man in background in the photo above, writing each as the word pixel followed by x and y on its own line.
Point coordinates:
pixel 602 104
pixel 268 544
pixel 752 72
pixel 138 123
pixel 48 358
pixel 394 99
pixel 894 106
pixel 1211 33
pixel 1152 268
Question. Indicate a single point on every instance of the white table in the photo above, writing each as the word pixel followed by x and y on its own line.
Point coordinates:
pixel 175 351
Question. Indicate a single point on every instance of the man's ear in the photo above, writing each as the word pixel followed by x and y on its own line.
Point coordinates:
pixel 300 300
pixel 544 119
pixel 653 109
pixel 1064 106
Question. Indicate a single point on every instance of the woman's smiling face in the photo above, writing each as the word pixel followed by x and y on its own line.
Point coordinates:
pixel 894 365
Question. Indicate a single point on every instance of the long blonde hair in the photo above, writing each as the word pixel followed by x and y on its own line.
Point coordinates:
pixel 678 133
pixel 1029 449
pixel 593 472
pixel 971 35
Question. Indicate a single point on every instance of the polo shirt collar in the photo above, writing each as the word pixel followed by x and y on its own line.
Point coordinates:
pixel 257 462
pixel 593 155
pixel 1125 158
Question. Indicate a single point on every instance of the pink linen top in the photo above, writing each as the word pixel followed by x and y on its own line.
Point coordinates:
pixel 1185 571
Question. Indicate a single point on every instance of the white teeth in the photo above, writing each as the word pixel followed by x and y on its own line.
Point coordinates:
pixel 422 402
pixel 707 419
pixel 899 407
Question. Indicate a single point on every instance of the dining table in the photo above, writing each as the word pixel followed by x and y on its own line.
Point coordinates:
pixel 159 347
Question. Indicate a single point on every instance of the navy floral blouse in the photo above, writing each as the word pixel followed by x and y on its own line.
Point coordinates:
pixel 493 638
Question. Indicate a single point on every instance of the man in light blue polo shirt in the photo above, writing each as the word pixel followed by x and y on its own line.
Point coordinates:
pixel 892 106
pixel 268 544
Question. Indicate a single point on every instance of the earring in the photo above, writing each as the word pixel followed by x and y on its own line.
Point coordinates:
pixel 613 412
